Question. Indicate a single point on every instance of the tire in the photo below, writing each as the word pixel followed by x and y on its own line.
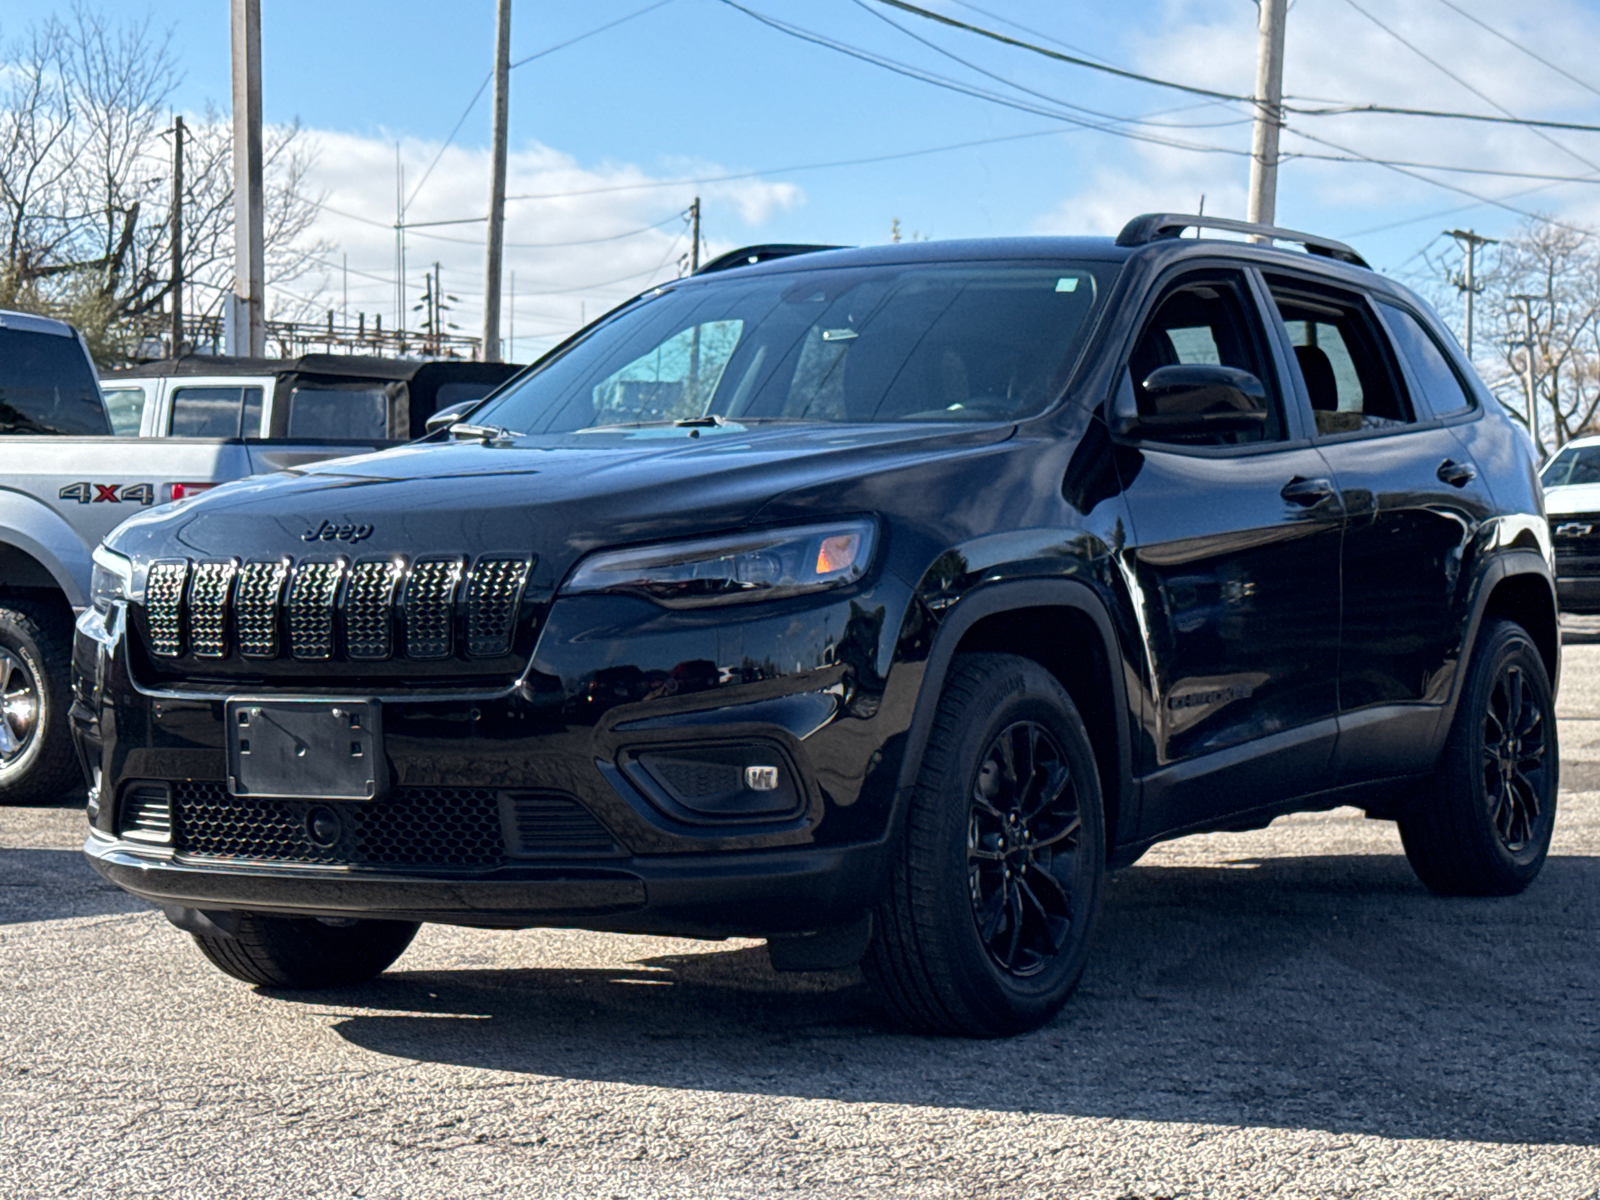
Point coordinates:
pixel 958 946
pixel 1484 827
pixel 37 763
pixel 303 952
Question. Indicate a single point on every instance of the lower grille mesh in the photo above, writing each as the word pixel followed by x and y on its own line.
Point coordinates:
pixel 414 826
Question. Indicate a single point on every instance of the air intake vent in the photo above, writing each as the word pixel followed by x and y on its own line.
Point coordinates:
pixel 369 608
pixel 492 597
pixel 147 814
pixel 553 823
pixel 256 607
pixel 208 608
pixel 163 601
pixel 430 607
pixel 311 598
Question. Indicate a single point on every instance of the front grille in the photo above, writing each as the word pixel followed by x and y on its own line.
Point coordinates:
pixel 412 827
pixel 326 610
pixel 1576 537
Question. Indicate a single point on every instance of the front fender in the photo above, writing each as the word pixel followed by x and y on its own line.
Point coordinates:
pixel 29 525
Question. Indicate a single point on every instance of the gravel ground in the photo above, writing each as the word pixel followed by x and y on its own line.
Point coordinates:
pixel 1280 1013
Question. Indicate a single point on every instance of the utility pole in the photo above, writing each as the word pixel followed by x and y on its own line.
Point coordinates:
pixel 1527 301
pixel 177 236
pixel 511 320
pixel 1469 283
pixel 497 184
pixel 1269 113
pixel 250 327
pixel 694 244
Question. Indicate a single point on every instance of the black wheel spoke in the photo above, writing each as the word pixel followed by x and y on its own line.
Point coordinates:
pixel 1014 910
pixel 1055 929
pixel 1069 830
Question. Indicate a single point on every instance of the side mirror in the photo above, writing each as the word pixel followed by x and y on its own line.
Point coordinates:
pixel 449 415
pixel 1190 399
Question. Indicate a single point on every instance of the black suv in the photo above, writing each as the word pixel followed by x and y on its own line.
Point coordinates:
pixel 874 602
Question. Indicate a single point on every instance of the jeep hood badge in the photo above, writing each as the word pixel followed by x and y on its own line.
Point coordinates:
pixel 329 532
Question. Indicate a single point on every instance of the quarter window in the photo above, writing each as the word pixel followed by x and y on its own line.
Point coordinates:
pixel 216 412
pixel 1435 378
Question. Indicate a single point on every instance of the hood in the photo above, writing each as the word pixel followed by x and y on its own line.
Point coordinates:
pixel 1572 498
pixel 558 497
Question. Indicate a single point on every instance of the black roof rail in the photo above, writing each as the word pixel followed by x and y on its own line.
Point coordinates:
pixel 750 255
pixel 1153 227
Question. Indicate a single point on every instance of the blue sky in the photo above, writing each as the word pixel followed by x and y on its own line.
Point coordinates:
pixel 697 88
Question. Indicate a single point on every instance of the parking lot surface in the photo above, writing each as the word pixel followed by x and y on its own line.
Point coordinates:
pixel 1283 1013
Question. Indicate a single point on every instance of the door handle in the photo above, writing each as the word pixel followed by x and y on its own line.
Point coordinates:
pixel 1308 492
pixel 1456 474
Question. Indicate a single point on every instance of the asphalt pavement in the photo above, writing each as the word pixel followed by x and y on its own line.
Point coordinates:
pixel 1283 1013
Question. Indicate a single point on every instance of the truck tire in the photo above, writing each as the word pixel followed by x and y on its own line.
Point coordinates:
pixel 1484 827
pixel 303 952
pixel 994 897
pixel 37 764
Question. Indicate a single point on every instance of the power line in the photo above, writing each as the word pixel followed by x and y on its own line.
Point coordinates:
pixel 1478 92
pixel 1539 58
pixel 614 237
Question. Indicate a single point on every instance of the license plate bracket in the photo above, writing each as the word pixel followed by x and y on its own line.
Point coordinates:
pixel 305 749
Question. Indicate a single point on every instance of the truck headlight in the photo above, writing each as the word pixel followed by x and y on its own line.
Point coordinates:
pixel 763 565
pixel 111 581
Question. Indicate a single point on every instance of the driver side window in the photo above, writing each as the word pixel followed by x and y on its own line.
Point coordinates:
pixel 1205 322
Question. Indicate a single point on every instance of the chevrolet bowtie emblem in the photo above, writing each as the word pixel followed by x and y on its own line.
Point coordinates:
pixel 1573 529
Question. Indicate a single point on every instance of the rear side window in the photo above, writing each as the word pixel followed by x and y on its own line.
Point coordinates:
pixel 125 407
pixel 216 412
pixel 1347 373
pixel 338 414
pixel 1439 383
pixel 47 386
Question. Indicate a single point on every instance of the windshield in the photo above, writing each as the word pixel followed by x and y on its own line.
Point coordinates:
pixel 1575 464
pixel 922 342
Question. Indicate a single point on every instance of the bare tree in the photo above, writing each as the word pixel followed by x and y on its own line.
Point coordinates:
pixel 1538 336
pixel 85 182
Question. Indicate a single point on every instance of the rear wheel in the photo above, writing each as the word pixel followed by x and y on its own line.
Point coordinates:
pixel 991 906
pixel 1485 826
pixel 303 952
pixel 36 760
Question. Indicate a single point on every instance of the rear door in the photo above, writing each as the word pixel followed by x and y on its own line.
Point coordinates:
pixel 1233 557
pixel 1414 502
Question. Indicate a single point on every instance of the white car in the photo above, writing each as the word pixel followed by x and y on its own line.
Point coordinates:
pixel 1572 502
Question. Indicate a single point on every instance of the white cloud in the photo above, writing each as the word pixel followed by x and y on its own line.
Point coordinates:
pixel 579 239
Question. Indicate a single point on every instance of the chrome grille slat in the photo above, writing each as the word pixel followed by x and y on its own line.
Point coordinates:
pixel 255 608
pixel 492 595
pixel 430 607
pixel 163 604
pixel 311 597
pixel 368 608
pixel 209 591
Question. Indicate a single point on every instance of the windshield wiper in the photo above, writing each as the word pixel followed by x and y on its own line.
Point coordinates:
pixel 709 420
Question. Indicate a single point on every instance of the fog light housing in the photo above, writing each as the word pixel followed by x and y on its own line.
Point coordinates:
pixel 701 784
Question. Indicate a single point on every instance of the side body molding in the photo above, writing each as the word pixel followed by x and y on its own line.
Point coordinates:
pixel 996 598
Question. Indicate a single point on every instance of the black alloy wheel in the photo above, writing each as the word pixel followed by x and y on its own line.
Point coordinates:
pixel 1024 827
pixel 1514 758
pixel 1484 825
pixel 986 923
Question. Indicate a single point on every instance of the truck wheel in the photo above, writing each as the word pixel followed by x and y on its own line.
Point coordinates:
pixel 1483 828
pixel 991 905
pixel 303 952
pixel 37 764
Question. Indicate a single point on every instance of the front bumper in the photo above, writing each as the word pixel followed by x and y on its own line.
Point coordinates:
pixel 1578 594
pixel 729 895
pixel 577 727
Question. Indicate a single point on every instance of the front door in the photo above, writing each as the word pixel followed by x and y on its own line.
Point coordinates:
pixel 1233 556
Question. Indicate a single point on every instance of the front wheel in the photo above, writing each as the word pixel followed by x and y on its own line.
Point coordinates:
pixel 992 903
pixel 1485 826
pixel 37 765
pixel 304 952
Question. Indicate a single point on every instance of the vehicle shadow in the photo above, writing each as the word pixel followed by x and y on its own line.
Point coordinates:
pixel 1309 992
pixel 44 885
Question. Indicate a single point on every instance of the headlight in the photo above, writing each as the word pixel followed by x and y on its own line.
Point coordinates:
pixel 749 566
pixel 112 579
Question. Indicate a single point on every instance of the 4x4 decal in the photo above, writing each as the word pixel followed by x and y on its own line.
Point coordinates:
pixel 113 493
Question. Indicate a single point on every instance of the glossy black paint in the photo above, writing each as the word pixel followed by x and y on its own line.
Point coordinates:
pixel 1246 629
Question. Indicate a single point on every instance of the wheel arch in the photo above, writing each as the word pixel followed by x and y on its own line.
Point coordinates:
pixel 1517 588
pixel 1063 625
pixel 40 552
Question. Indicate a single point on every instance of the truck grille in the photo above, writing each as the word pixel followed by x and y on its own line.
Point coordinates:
pixel 329 609
pixel 412 827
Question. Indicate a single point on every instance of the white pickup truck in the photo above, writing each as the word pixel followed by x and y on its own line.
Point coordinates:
pixel 70 471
